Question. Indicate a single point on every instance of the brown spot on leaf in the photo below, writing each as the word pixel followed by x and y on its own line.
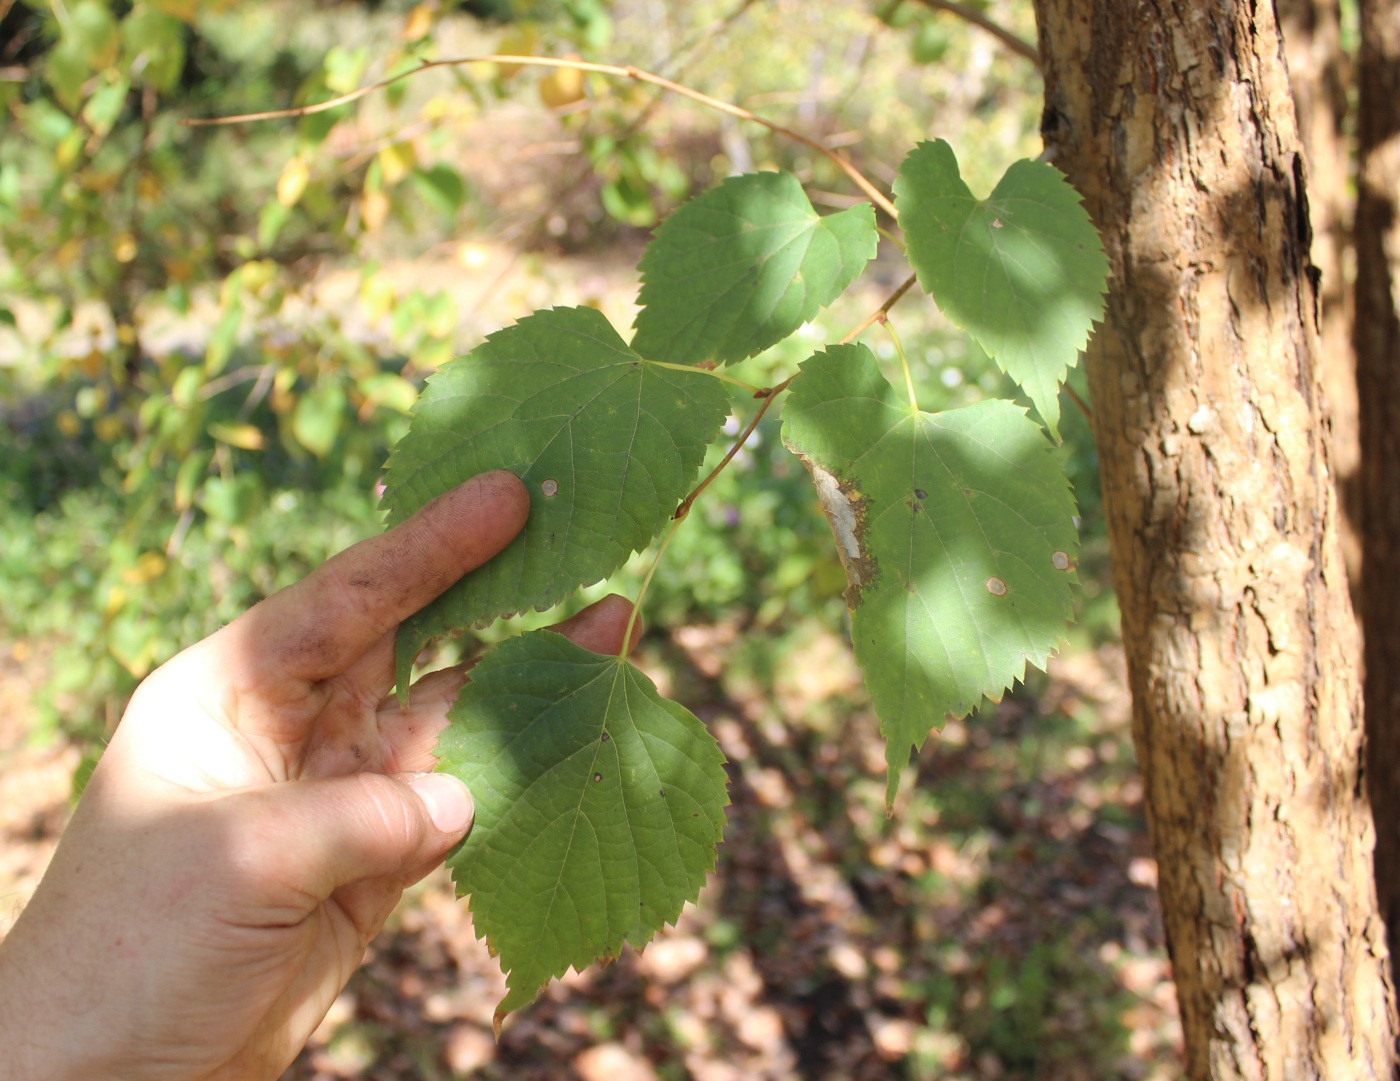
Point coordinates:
pixel 550 487
pixel 845 506
pixel 597 777
pixel 996 587
pixel 1060 561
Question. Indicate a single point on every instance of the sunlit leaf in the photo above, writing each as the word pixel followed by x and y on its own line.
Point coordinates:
pixel 606 443
pixel 1023 271
pixel 956 530
pixel 743 265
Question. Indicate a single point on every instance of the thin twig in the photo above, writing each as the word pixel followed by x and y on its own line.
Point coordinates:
pixel 878 316
pixel 773 392
pixel 1017 44
pixel 628 72
pixel 1080 402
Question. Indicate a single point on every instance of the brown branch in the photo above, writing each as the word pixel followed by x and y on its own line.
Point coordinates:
pixel 1080 403
pixel 878 315
pixel 1018 45
pixel 770 393
pixel 768 396
pixel 628 72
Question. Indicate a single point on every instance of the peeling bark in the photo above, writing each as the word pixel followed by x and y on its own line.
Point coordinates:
pixel 1176 122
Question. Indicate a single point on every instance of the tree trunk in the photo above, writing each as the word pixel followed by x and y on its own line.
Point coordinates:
pixel 1174 119
pixel 1378 375
pixel 1318 75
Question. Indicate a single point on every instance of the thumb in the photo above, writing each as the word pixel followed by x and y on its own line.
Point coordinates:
pixel 367 826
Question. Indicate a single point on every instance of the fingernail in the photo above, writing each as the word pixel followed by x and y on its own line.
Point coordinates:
pixel 448 802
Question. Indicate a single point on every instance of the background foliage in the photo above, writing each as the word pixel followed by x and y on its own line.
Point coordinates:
pixel 210 338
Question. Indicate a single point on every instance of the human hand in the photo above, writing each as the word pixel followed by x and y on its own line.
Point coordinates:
pixel 257 815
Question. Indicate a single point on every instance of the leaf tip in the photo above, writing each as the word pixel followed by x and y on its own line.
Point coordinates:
pixel 498 1019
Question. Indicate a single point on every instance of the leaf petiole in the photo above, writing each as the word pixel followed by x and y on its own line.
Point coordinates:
pixel 747 387
pixel 890 237
pixel 904 364
pixel 684 509
pixel 646 583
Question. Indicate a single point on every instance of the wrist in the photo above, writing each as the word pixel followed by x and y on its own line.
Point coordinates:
pixel 36 1028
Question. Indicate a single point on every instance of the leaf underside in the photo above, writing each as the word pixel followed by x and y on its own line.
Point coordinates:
pixel 606 444
pixel 957 533
pixel 599 805
pixel 743 265
pixel 1022 271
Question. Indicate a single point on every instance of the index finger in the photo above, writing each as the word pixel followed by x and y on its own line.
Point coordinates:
pixel 321 626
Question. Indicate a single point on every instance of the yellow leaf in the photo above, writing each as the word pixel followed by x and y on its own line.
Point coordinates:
pixel 243 436
pixel 116 601
pixel 68 252
pixel 184 10
pixel 396 161
pixel 124 248
pixel 419 22
pixel 68 423
pixel 148 568
pixel 374 208
pixel 292 182
pixel 518 41
pixel 257 275
pixel 562 87
pixel 377 297
pixel 149 188
pixel 109 428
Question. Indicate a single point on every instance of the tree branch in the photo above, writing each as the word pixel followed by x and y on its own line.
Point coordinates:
pixel 629 72
pixel 1018 45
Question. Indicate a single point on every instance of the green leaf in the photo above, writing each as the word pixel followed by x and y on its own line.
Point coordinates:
pixel 598 807
pixel 957 536
pixel 606 443
pixel 1023 271
pixel 442 188
pixel 743 265
pixel 318 417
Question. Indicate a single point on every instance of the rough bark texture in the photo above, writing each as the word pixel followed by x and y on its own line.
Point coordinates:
pixel 1318 75
pixel 1175 121
pixel 1378 375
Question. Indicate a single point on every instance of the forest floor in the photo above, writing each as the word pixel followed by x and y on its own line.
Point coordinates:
pixel 1002 924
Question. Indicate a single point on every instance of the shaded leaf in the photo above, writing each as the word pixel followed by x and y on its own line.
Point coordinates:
pixel 743 265
pixel 1023 271
pixel 957 536
pixel 598 807
pixel 606 443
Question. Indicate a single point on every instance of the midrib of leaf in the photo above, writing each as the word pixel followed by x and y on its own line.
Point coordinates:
pixel 579 816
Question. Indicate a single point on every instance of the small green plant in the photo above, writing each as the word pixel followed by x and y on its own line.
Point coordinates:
pixel 599 802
